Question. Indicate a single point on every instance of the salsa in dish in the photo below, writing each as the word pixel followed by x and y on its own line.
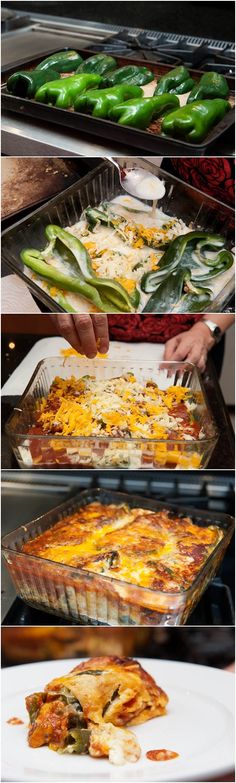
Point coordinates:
pixel 88 710
pixel 126 256
pixel 157 550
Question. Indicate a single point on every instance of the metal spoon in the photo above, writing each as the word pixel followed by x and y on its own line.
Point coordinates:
pixel 131 187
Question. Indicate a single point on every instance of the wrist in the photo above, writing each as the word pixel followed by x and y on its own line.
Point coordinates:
pixel 201 328
pixel 214 328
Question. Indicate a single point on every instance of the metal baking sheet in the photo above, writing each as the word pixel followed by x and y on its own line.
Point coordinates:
pixel 143 140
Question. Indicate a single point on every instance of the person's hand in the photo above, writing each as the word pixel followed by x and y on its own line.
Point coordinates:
pixel 87 334
pixel 191 346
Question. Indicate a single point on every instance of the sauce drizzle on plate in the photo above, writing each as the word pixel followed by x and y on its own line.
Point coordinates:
pixel 161 755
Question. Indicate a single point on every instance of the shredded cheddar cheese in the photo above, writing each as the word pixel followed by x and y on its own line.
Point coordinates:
pixel 117 407
pixel 72 352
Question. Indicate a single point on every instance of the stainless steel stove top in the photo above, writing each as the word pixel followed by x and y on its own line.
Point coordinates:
pixel 45 31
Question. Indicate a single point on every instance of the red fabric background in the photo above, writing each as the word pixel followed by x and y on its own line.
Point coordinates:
pixel 149 328
pixel 214 176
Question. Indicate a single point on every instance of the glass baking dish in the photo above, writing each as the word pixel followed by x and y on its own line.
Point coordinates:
pixel 60 451
pixel 102 184
pixel 88 598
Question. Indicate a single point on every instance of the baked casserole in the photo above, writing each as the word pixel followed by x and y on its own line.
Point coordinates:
pixel 85 711
pixel 110 558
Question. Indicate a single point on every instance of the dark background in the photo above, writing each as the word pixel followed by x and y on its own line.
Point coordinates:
pixel 213 20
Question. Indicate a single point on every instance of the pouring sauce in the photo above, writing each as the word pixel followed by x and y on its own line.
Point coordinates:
pixel 143 185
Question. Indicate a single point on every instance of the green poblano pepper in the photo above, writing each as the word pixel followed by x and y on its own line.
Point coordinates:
pixel 107 295
pixel 167 294
pixel 195 299
pixel 26 83
pixel 194 121
pixel 176 293
pixel 77 741
pixel 63 92
pixel 211 85
pixel 190 250
pixel 99 63
pixel 139 113
pixel 100 102
pixel 129 74
pixel 177 81
pixel 94 216
pixel 76 255
pixel 61 62
pixel 75 284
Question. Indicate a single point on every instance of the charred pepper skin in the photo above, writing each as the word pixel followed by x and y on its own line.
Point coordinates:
pixel 63 92
pixel 141 112
pixel 177 81
pixel 99 63
pixel 26 83
pixel 211 85
pixel 61 62
pixel 129 74
pixel 194 121
pixel 100 102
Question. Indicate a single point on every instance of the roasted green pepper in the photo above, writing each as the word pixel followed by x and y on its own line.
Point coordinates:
pixel 63 92
pixel 140 112
pixel 176 293
pixel 190 251
pixel 193 122
pixel 26 83
pixel 100 102
pixel 129 74
pixel 76 255
pixel 211 85
pixel 95 216
pixel 105 294
pixel 77 741
pixel 61 62
pixel 99 63
pixel 177 81
pixel 35 261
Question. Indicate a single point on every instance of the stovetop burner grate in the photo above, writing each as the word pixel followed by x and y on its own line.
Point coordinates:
pixel 173 49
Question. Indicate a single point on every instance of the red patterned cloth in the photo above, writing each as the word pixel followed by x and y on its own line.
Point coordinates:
pixel 149 328
pixel 214 176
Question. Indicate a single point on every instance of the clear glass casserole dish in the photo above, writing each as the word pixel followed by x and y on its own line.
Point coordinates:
pixel 102 184
pixel 88 598
pixel 60 451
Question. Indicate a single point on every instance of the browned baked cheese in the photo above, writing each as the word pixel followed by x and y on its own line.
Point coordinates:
pixel 153 549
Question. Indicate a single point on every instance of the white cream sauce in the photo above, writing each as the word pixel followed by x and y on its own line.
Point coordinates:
pixel 143 184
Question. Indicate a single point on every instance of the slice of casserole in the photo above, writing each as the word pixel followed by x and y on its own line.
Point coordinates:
pixel 85 711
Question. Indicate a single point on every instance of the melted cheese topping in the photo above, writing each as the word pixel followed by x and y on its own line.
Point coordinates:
pixel 149 549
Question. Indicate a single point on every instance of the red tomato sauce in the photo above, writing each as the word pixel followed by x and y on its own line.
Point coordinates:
pixel 161 755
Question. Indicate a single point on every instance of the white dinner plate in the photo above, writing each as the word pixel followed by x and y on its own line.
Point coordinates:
pixel 199 725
